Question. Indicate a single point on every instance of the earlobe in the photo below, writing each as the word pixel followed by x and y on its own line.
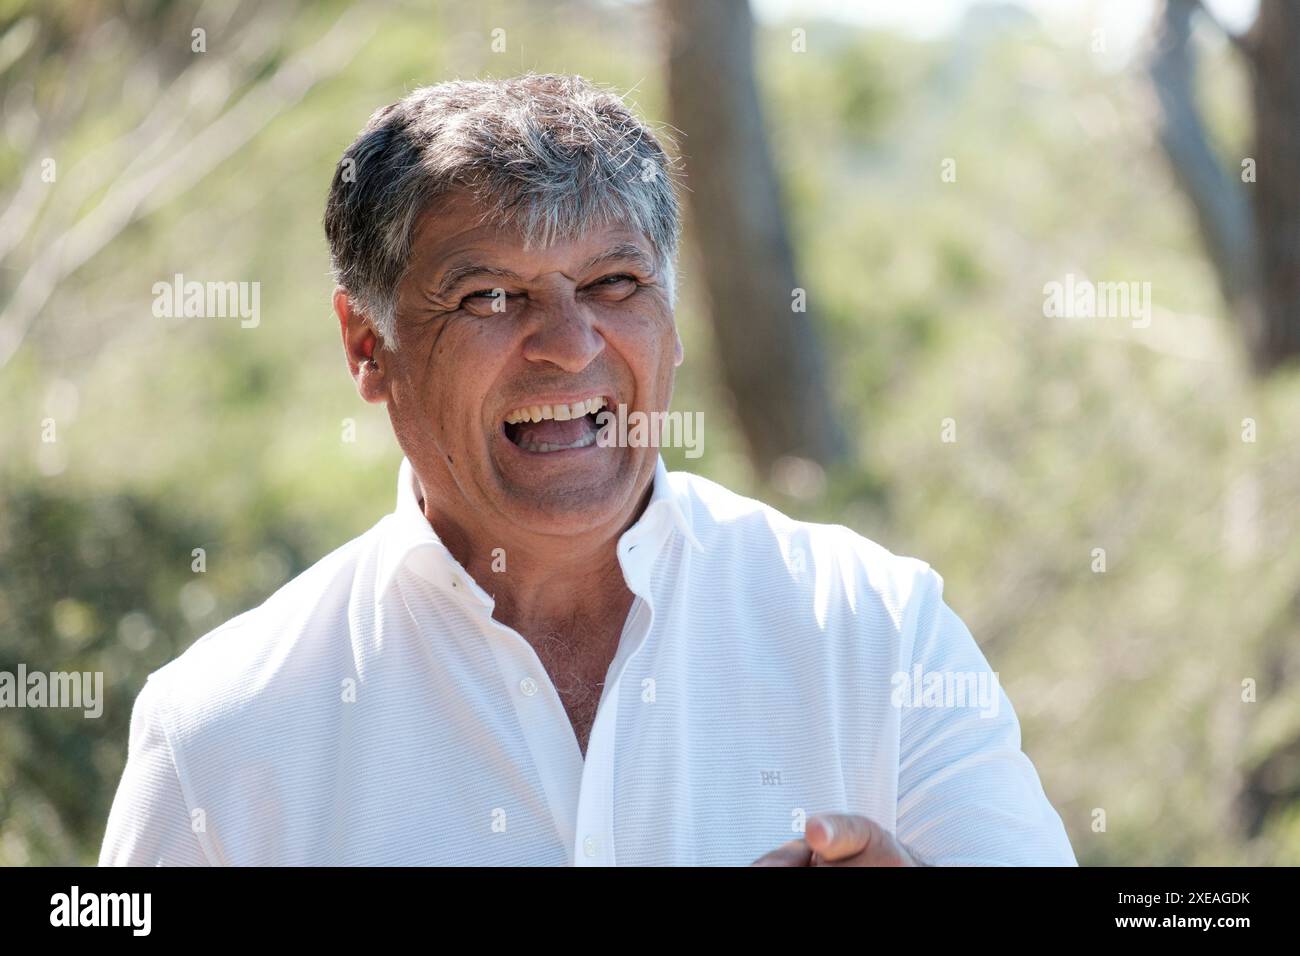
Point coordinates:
pixel 370 376
pixel 372 384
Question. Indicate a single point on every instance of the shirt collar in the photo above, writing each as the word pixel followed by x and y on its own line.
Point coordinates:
pixel 410 541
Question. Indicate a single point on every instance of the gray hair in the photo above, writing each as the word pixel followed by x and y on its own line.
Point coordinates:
pixel 549 154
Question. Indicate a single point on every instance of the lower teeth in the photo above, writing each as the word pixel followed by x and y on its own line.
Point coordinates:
pixel 583 442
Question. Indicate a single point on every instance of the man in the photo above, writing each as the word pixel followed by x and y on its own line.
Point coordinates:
pixel 553 651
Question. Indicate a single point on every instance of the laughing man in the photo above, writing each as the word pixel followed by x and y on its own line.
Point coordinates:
pixel 553 651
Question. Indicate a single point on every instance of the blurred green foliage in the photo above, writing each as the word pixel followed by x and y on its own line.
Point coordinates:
pixel 1071 435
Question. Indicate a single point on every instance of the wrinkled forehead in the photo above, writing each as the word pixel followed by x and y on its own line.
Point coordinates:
pixel 458 227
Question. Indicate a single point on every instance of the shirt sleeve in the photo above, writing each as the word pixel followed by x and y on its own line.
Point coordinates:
pixel 150 823
pixel 967 794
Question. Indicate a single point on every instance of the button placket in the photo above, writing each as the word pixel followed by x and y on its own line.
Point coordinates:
pixel 595 818
pixel 547 732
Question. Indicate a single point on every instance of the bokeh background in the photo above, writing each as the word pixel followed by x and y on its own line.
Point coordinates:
pixel 1159 698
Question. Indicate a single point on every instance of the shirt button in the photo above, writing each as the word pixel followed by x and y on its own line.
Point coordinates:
pixel 528 686
pixel 590 846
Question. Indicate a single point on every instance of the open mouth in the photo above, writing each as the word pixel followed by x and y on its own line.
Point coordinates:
pixel 549 428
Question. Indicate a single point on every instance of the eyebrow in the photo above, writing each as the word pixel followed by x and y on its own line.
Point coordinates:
pixel 622 252
pixel 457 274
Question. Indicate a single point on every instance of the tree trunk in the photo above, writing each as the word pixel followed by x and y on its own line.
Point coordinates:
pixel 769 353
pixel 1251 230
pixel 1275 73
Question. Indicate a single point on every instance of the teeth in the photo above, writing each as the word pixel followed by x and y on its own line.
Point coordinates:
pixel 583 442
pixel 560 413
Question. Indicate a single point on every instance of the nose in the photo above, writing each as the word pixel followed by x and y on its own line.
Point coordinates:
pixel 566 337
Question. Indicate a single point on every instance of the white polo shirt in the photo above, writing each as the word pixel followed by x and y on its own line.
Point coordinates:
pixel 372 711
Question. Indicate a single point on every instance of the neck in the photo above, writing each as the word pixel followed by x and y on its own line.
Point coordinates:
pixel 543 583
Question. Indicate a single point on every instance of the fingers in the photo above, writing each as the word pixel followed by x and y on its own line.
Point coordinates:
pixel 794 853
pixel 836 836
pixel 841 839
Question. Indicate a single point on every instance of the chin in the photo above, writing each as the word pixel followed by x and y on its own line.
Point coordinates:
pixel 568 492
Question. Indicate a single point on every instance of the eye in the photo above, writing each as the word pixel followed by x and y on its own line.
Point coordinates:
pixel 618 282
pixel 485 301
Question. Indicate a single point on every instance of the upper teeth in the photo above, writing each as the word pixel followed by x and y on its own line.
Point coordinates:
pixel 561 413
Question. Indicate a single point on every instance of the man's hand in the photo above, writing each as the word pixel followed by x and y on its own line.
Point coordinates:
pixel 840 839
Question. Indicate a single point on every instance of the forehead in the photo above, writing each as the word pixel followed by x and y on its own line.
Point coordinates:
pixel 453 231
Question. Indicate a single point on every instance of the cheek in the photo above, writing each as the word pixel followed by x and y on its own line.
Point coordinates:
pixel 463 372
pixel 664 344
pixel 439 378
pixel 649 345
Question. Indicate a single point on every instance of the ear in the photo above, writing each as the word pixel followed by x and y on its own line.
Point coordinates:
pixel 679 354
pixel 361 345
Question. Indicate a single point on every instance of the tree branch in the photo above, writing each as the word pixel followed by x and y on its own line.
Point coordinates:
pixel 135 196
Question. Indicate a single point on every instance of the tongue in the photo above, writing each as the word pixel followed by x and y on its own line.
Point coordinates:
pixel 556 433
